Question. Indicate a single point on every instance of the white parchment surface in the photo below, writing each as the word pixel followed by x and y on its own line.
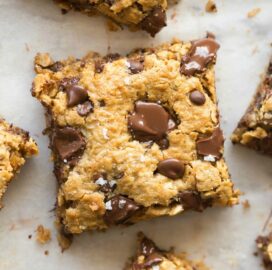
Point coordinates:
pixel 223 237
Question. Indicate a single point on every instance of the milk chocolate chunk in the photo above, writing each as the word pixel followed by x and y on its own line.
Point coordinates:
pixel 76 95
pixel 68 142
pixel 197 97
pixel 154 21
pixel 150 122
pixel 202 52
pixel 171 168
pixel 147 246
pixel 212 145
pixel 119 209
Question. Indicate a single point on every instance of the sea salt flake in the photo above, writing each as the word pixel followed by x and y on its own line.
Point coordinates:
pixel 210 158
pixel 108 205
pixel 101 181
pixel 105 133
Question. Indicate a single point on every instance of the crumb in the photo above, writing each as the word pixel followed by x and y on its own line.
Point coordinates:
pixel 46 252
pixel 210 35
pixel 43 235
pixel 29 236
pixel 253 12
pixel 255 50
pixel 112 26
pixel 255 254
pixel 173 16
pixel 246 204
pixel 27 47
pixel 211 6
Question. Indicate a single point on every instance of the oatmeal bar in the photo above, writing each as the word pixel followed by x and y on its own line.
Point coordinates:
pixel 255 128
pixel 149 256
pixel 264 245
pixel 148 15
pixel 15 147
pixel 134 137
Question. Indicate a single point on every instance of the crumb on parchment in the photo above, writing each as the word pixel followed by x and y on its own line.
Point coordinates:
pixel 211 6
pixel 246 204
pixel 253 12
pixel 43 235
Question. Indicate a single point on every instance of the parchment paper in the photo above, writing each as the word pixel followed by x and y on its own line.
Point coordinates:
pixel 223 237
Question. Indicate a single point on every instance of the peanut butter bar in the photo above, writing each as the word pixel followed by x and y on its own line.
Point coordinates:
pixel 149 256
pixel 147 15
pixel 255 128
pixel 15 147
pixel 134 137
pixel 264 245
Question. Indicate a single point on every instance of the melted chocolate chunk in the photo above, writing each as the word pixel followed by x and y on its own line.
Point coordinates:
pixel 112 57
pixel 119 209
pixel 57 66
pixel 212 145
pixel 76 95
pixel 135 66
pixel 150 122
pixel 191 200
pixel 197 97
pixel 68 142
pixel 151 260
pixel 202 52
pixel 154 21
pixel 85 108
pixel 171 168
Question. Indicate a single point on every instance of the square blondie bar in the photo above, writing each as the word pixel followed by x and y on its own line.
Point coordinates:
pixel 146 15
pixel 15 146
pixel 134 137
pixel 149 256
pixel 255 128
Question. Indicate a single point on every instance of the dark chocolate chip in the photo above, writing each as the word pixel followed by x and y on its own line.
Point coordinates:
pixel 147 246
pixel 202 52
pixel 197 97
pixel 112 57
pixel 191 200
pixel 163 143
pixel 119 209
pixel 76 95
pixel 154 21
pixel 99 66
pixel 106 186
pixel 57 66
pixel 171 168
pixel 212 145
pixel 102 103
pixel 135 66
pixel 67 82
pixel 85 108
pixel 68 142
pixel 118 175
pixel 150 122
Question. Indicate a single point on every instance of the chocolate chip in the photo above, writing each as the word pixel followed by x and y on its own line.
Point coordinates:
pixel 154 21
pixel 119 209
pixel 102 103
pixel 85 108
pixel 57 66
pixel 202 52
pixel 135 66
pixel 99 66
pixel 150 122
pixel 191 200
pixel 106 186
pixel 212 145
pixel 151 260
pixel 112 57
pixel 171 168
pixel 163 143
pixel 76 95
pixel 68 142
pixel 147 246
pixel 197 97
pixel 65 82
